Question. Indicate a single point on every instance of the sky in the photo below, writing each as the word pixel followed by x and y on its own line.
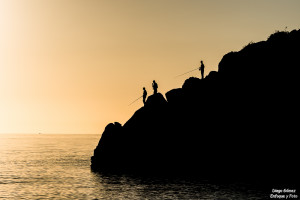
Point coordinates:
pixel 73 66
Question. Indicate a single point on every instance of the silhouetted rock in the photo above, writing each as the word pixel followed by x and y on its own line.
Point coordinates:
pixel 212 76
pixel 156 101
pixel 239 122
pixel 175 96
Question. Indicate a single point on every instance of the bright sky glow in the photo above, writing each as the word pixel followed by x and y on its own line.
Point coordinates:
pixel 73 66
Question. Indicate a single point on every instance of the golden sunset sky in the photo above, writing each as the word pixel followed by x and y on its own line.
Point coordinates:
pixel 73 66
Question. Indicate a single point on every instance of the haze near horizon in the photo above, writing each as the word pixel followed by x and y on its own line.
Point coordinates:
pixel 74 66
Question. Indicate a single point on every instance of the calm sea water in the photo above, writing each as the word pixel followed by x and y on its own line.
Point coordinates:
pixel 48 166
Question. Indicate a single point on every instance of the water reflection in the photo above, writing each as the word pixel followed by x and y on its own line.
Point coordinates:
pixel 58 167
pixel 146 187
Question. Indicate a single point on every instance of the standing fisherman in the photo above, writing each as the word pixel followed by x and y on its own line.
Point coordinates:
pixel 144 95
pixel 155 86
pixel 201 68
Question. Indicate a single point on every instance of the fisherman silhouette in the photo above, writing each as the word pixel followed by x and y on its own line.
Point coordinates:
pixel 201 68
pixel 144 95
pixel 155 86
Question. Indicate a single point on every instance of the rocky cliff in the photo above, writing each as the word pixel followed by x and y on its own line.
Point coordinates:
pixel 241 121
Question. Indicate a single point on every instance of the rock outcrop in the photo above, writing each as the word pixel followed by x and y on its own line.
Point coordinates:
pixel 241 121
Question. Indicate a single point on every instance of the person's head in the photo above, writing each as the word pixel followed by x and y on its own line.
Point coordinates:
pixel 201 61
pixel 143 88
pixel 153 81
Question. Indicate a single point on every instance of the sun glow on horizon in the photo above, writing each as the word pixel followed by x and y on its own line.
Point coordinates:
pixel 74 66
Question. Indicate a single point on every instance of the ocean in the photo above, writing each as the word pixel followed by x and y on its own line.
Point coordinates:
pixel 57 166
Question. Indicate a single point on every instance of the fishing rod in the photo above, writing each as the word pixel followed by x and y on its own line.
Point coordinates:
pixel 135 100
pixel 187 72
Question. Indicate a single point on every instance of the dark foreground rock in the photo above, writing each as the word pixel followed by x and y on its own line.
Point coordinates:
pixel 239 122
